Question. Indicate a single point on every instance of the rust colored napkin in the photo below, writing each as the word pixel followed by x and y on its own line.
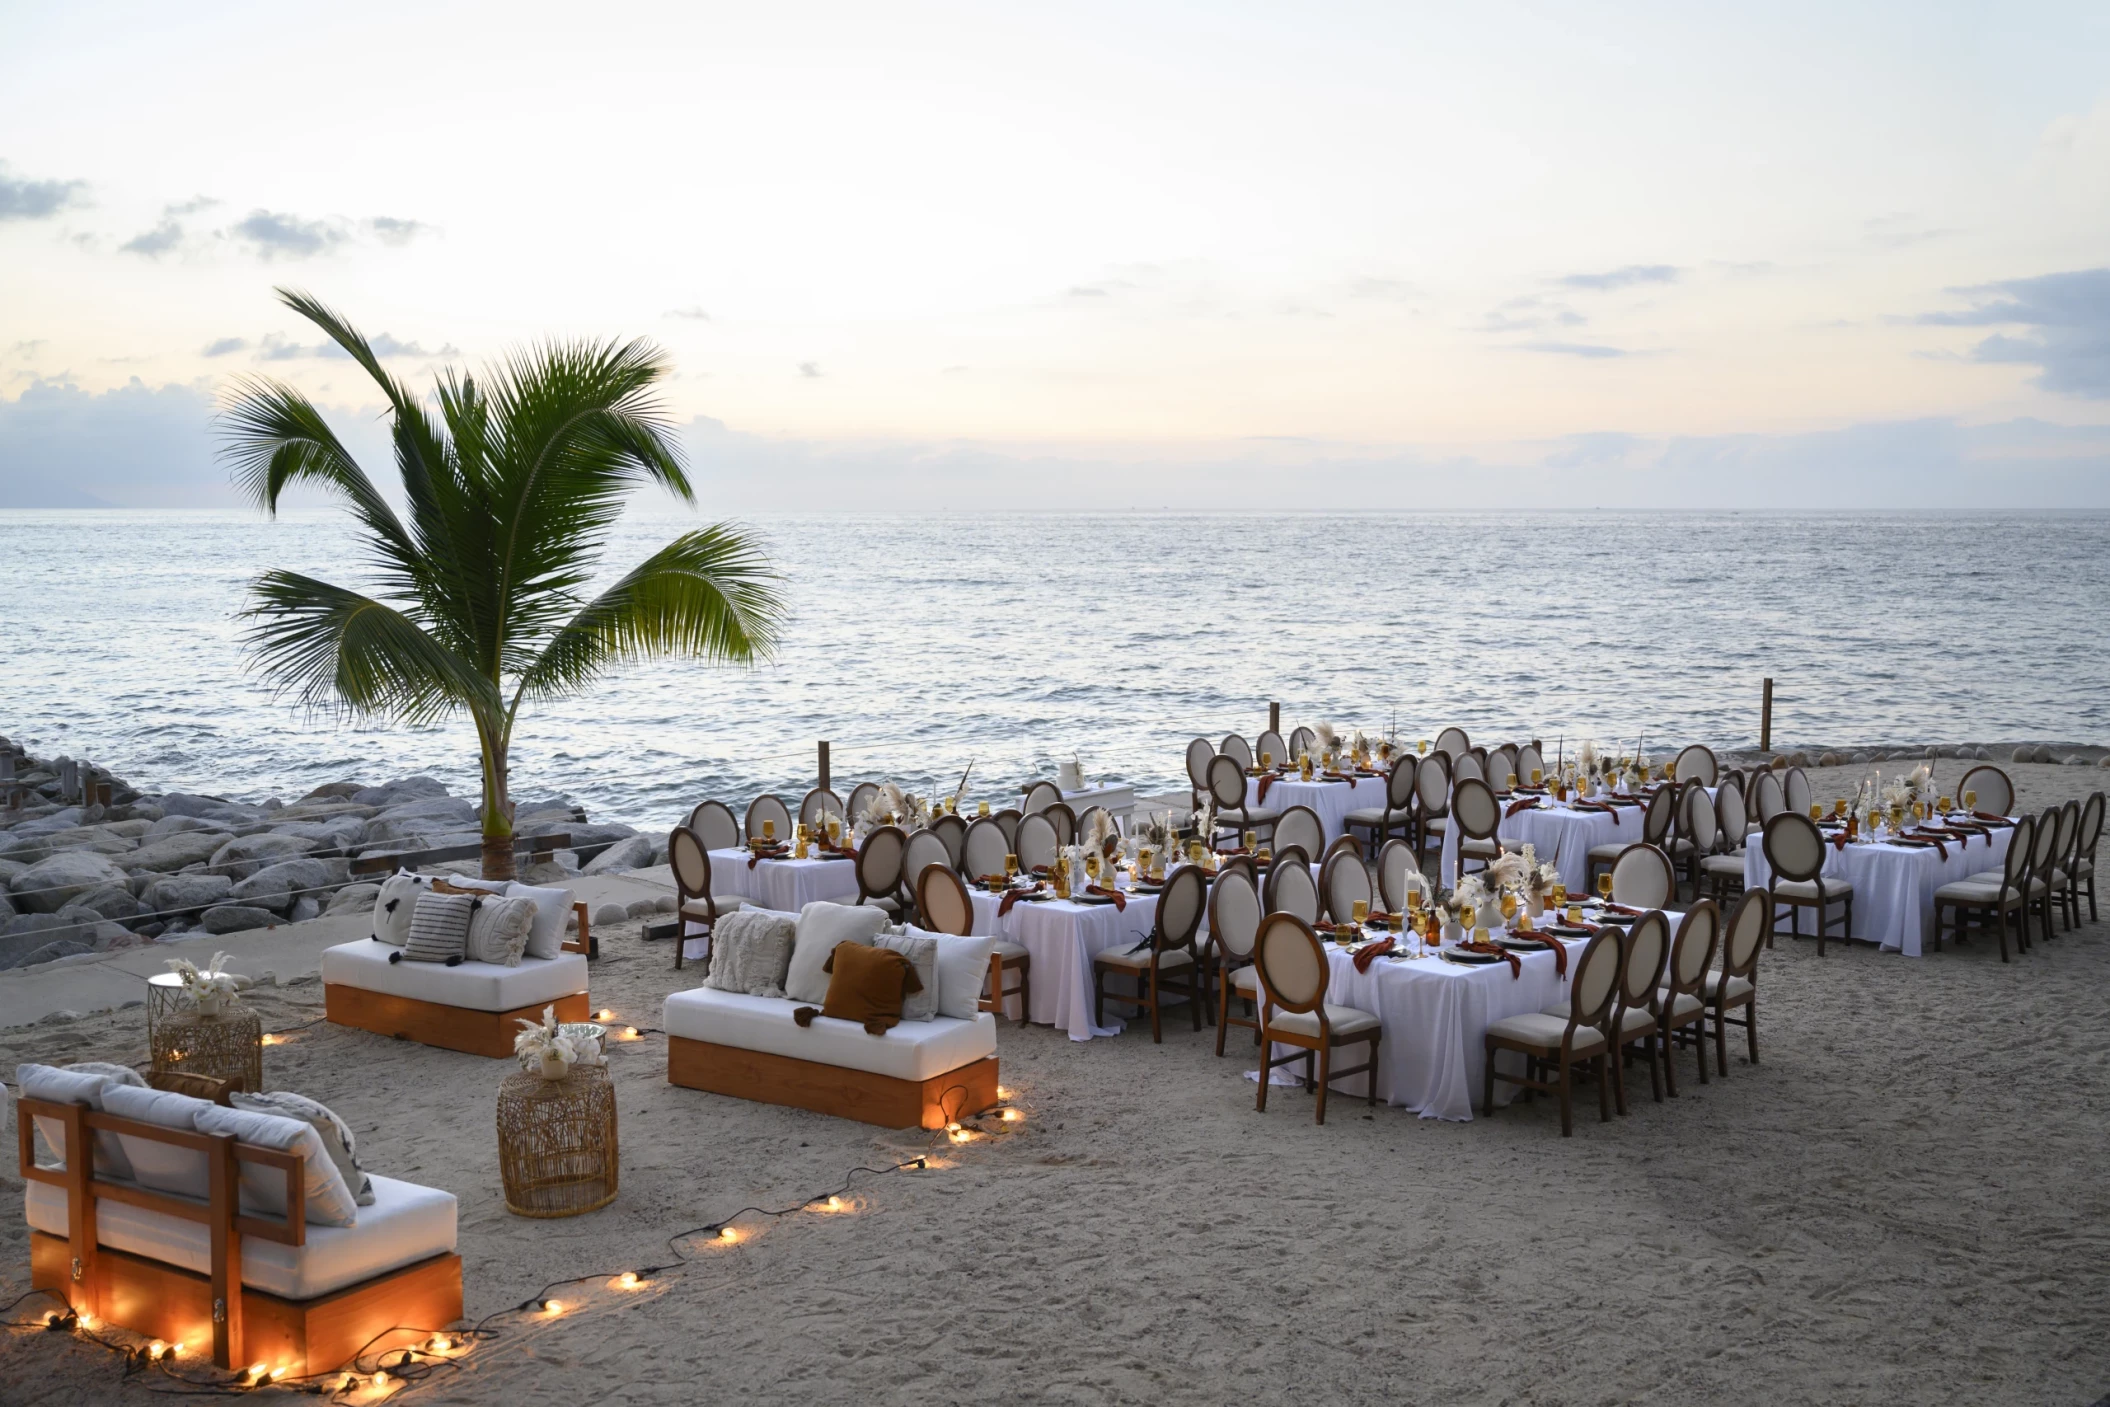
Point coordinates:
pixel 1265 782
pixel 1370 953
pixel 756 857
pixel 1518 808
pixel 1120 899
pixel 1014 896
pixel 1560 950
pixel 1992 820
pixel 1516 964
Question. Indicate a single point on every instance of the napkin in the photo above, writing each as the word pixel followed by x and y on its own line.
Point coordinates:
pixel 1265 783
pixel 1992 820
pixel 1516 964
pixel 1120 899
pixel 1560 951
pixel 1529 803
pixel 1370 953
pixel 755 857
pixel 1014 896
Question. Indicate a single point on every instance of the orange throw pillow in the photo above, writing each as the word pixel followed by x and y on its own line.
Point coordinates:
pixel 866 985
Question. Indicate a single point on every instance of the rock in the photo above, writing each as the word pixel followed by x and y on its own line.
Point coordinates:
pixel 609 913
pixel 233 918
pixel 408 789
pixel 336 834
pixel 1933 752
pixel 666 903
pixel 2076 760
pixel 304 909
pixel 178 803
pixel 278 886
pixel 8 870
pixel 59 1018
pixel 188 892
pixel 1829 759
pixel 101 839
pixel 566 860
pixel 353 897
pixel 583 834
pixel 46 886
pixel 272 805
pixel 170 853
pixel 246 854
pixel 63 819
pixel 151 930
pixel 333 791
pixel 176 825
pixel 7 907
pixel 544 874
pixel 2040 753
pixel 52 952
pixel 2025 753
pixel 1860 759
pixel 640 908
pixel 1800 759
pixel 112 902
pixel 637 852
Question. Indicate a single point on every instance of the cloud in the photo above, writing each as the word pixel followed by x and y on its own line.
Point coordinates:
pixel 696 314
pixel 1594 350
pixel 396 233
pixel 1898 232
pixel 26 348
pixel 154 243
pixel 272 235
pixel 276 348
pixel 195 205
pixel 1630 276
pixel 809 369
pixel 1531 313
pixel 36 200
pixel 2070 317
pixel 222 346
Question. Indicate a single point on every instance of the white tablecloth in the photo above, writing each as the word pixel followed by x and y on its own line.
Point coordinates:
pixel 784 885
pixel 1893 884
pixel 1062 938
pixel 1331 800
pixel 1560 835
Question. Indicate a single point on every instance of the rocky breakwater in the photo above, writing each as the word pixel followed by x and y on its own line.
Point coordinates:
pixel 79 874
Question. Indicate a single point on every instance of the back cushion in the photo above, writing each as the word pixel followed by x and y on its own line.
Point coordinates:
pixel 498 930
pixel 867 984
pixel 336 1135
pixel 393 906
pixel 922 954
pixel 821 927
pixel 751 953
pixel 76 1086
pixel 328 1202
pixel 963 970
pixel 546 935
pixel 162 1166
pixel 439 928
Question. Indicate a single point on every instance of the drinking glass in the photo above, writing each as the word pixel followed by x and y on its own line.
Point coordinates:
pixel 1422 747
pixel 981 808
pixel 1267 761
pixel 1359 911
pixel 1010 866
pixel 769 829
pixel 1839 807
pixel 1143 855
pixel 1947 803
pixel 1970 801
pixel 1560 895
pixel 1509 906
pixel 1252 840
pixel 1816 810
pixel 1091 868
pixel 1538 776
pixel 1604 886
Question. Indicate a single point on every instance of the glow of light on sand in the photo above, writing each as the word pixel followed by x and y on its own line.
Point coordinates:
pixel 835 1204
pixel 630 1033
pixel 604 1014
pixel 1012 1116
pixel 273 1038
pixel 381 1381
pixel 1003 1092
pixel 728 1235
pixel 553 1307
pixel 627 1280
pixel 87 1321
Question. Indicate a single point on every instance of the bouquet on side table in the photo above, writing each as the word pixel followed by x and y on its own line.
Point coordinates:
pixel 210 989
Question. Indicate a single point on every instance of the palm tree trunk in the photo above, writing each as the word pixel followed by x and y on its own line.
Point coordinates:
pixel 497 815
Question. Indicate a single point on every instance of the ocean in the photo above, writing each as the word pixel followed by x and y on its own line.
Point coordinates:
pixel 1014 641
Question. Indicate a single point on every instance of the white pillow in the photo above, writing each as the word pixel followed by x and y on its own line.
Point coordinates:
pixel 162 1166
pixel 922 954
pixel 328 1202
pixel 552 907
pixel 750 952
pixel 498 930
pixel 394 904
pixel 56 1086
pixel 335 1134
pixel 821 926
pixel 963 971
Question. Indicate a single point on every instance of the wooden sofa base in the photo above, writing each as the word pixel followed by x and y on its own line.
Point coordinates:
pixel 832 1089
pixel 157 1301
pixel 432 1023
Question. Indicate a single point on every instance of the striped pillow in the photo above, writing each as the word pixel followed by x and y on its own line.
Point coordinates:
pixel 439 929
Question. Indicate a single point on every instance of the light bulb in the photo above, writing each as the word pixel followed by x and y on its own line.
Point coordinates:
pixel 835 1204
pixel 726 1233
pixel 156 1349
pixel 630 1033
pixel 1002 1092
pixel 175 1348
pixel 257 1371
pixel 553 1306
pixel 87 1321
pixel 381 1381
pixel 628 1280
pixel 438 1344
pixel 953 1127
pixel 1011 1116
pixel 604 1014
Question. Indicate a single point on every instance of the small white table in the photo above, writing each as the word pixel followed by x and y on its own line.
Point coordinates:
pixel 1063 937
pixel 1893 884
pixel 784 885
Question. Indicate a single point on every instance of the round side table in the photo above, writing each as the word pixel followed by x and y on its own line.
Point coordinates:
pixel 557 1143
pixel 229 1046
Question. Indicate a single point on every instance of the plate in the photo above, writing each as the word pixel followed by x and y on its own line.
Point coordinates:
pixel 1090 899
pixel 1561 930
pixel 1468 959
pixel 1521 945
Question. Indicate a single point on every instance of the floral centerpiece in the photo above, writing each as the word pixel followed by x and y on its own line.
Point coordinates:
pixel 210 989
pixel 545 1048
pixel 1326 741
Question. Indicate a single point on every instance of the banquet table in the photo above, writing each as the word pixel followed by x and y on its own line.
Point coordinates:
pixel 1561 836
pixel 1332 799
pixel 1893 884
pixel 1062 938
pixel 783 885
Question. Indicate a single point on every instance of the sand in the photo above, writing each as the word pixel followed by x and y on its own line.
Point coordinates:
pixel 1903 1203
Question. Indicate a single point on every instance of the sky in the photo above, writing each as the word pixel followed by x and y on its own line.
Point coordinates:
pixel 950 257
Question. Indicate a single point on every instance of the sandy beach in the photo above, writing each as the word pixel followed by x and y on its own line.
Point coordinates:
pixel 1902 1203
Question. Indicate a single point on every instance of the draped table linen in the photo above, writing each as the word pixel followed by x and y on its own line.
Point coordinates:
pixel 1332 800
pixel 1893 884
pixel 1062 937
pixel 784 885
pixel 1560 835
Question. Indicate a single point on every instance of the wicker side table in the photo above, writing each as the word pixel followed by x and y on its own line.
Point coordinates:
pixel 556 1142
pixel 229 1046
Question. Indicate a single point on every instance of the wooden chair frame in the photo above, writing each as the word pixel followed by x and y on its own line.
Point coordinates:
pixel 1472 787
pixel 1227 789
pixel 873 879
pixel 1337 862
pixel 1321 1046
pixel 1432 800
pixel 1580 1018
pixel 1824 897
pixel 2007 783
pixel 1397 813
pixel 1697 761
pixel 1223 964
pixel 1639 990
pixel 2013 897
pixel 689 886
pixel 1292 859
pixel 1720 1004
pixel 1039 797
pixel 1162 941
pixel 1707 912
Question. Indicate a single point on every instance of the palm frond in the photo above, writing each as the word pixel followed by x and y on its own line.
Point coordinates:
pixel 330 647
pixel 708 594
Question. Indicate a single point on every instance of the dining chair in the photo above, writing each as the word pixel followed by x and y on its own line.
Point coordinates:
pixel 715 825
pixel 2084 849
pixel 1562 1038
pixel 1719 873
pixel 1530 758
pixel 1468 764
pixel 1199 752
pixel 1040 796
pixel 1656 818
pixel 1290 886
pixel 1642 877
pixel 943 901
pixel 1996 793
pixel 1344 881
pixel 859 798
pixel 1992 895
pixel 1395 863
pixel 1734 985
pixel 952 831
pixel 1637 1017
pixel 1091 816
pixel 1234 922
pixel 1696 763
pixel 1037 842
pixel 1165 963
pixel 767 816
pixel 818 803
pixel 925 848
pixel 1794 848
pixel 1227 784
pixel 1301 741
pixel 1432 802
pixel 1294 1011
pixel 1769 798
pixel 1684 1000
pixel 1299 826
pixel 691 865
pixel 1064 820
pixel 983 848
pixel 879 861
pixel 1795 789
pixel 1502 772
pixel 1397 813
pixel 2064 885
pixel 1007 821
pixel 1732 816
pixel 1234 746
pixel 1272 746
pixel 2043 869
pixel 1452 743
pixel 1478 817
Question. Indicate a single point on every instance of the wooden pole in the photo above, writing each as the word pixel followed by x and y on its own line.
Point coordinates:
pixel 1765 720
pixel 1274 717
pixel 824 766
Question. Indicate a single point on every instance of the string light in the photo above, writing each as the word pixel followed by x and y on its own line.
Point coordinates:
pixel 835 1204
pixel 604 1014
pixel 630 1033
pixel 726 1233
pixel 381 1381
pixel 627 1280
pixel 1012 1116
pixel 553 1306
pixel 1003 1092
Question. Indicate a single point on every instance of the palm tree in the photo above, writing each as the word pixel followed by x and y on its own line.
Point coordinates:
pixel 476 604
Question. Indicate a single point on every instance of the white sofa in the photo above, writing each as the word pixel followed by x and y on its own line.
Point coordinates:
pixel 470 1007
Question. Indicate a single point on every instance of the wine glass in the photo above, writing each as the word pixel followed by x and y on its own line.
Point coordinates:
pixel 1267 761
pixel 1422 747
pixel 1816 810
pixel 1359 911
pixel 1091 867
pixel 1509 908
pixel 1947 804
pixel 1538 776
pixel 1604 886
pixel 769 829
pixel 1839 807
pixel 1252 840
pixel 1560 895
pixel 1970 800
pixel 1010 867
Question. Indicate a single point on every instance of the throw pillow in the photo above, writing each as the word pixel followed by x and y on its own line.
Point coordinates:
pixel 393 905
pixel 75 1086
pixel 439 929
pixel 335 1134
pixel 963 973
pixel 498 930
pixel 552 908
pixel 921 950
pixel 162 1166
pixel 328 1200
pixel 867 985
pixel 821 927
pixel 751 953
pixel 120 1074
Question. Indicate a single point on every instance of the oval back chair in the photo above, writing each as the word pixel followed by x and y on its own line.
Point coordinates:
pixel 1237 749
pixel 1270 749
pixel 925 848
pixel 943 901
pixel 715 825
pixel 818 803
pixel 767 816
pixel 1451 742
pixel 1290 886
pixel 1301 741
pixel 1037 842
pixel 879 862
pixel 1642 877
pixel 1996 794
pixel 1344 880
pixel 952 832
pixel 1299 826
pixel 1040 796
pixel 1396 861
pixel 1530 759
pixel 983 848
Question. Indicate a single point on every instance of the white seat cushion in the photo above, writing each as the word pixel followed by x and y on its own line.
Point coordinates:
pixel 1377 816
pixel 405 1224
pixel 474 986
pixel 1007 950
pixel 1246 979
pixel 1242 816
pixel 1140 961
pixel 696 908
pixel 1436 825
pixel 1635 1020
pixel 1345 1021
pixel 1542 1031
pixel 1731 865
pixel 1479 849
pixel 1738 986
pixel 1834 889
pixel 1978 889
pixel 914 1050
pixel 1683 1005
pixel 1610 851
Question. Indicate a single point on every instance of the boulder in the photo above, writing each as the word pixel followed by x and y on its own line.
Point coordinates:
pixel 336 834
pixel 66 818
pixel 407 789
pixel 96 838
pixel 178 803
pixel 277 886
pixel 112 902
pixel 333 791
pixel 172 825
pixel 2040 753
pixel 305 908
pixel 609 913
pixel 583 834
pixel 1829 759
pixel 1860 759
pixel 233 918
pixel 48 885
pixel 354 898
pixel 2025 753
pixel 246 854
pixel 638 852
pixel 52 952
pixel 24 850
pixel 188 893
pixel 2076 760
pixel 640 908
pixel 169 853
pixel 8 870
pixel 550 874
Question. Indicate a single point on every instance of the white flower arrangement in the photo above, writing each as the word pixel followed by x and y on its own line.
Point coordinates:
pixel 891 806
pixel 1103 837
pixel 543 1049
pixel 211 988
pixel 1505 871
pixel 1325 739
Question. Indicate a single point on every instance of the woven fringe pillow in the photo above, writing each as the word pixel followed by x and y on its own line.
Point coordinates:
pixel 498 930
pixel 335 1134
pixel 439 929
pixel 751 952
